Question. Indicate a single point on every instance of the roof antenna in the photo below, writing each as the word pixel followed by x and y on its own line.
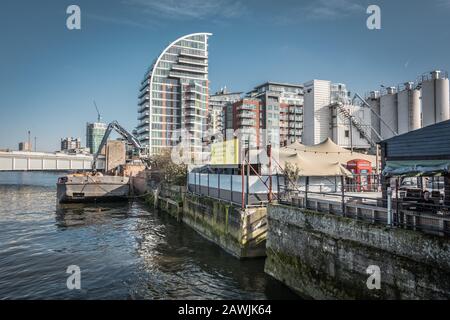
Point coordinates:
pixel 99 117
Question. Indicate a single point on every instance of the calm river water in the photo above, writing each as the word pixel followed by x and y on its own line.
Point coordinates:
pixel 124 251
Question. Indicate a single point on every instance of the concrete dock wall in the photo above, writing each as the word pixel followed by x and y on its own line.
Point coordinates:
pixel 240 232
pixel 325 256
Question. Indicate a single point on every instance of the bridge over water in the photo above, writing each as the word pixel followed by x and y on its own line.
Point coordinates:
pixel 42 161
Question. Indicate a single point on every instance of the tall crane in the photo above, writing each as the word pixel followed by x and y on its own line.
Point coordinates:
pixel 125 134
pixel 99 117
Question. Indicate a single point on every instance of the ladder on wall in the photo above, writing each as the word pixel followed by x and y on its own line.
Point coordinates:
pixel 365 131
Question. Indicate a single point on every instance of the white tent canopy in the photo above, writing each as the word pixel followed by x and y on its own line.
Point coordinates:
pixel 323 159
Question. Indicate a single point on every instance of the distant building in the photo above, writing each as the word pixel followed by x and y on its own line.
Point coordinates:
pixel 217 105
pixel 174 95
pixel 94 135
pixel 25 146
pixel 70 144
pixel 272 110
pixel 330 113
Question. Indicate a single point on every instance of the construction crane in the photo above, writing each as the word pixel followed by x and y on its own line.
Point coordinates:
pixel 99 117
pixel 126 135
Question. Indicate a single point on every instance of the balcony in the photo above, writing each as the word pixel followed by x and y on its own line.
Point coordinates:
pixel 246 114
pixel 143 108
pixel 144 92
pixel 192 62
pixel 145 85
pixel 143 115
pixel 247 123
pixel 143 123
pixel 142 130
pixel 176 74
pixel 189 97
pixel 247 107
pixel 193 54
pixel 144 100
pixel 189 69
pixel 191 106
pixel 190 113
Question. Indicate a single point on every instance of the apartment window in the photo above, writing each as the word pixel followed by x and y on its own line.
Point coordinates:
pixel 347 133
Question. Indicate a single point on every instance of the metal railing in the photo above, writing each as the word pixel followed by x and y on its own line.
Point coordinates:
pixel 233 188
pixel 419 214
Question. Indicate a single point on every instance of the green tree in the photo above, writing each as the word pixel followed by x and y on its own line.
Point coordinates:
pixel 169 171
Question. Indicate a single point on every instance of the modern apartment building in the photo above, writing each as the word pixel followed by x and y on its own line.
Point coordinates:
pixel 269 114
pixel 244 117
pixel 330 113
pixel 173 97
pixel 94 135
pixel 217 105
pixel 281 112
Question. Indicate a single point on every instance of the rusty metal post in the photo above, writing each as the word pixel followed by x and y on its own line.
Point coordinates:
pixel 269 154
pixel 343 195
pixel 243 180
pixel 248 173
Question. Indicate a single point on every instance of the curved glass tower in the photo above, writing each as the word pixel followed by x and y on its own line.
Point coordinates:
pixel 173 96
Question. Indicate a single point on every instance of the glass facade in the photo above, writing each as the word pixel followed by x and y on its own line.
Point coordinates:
pixel 173 98
pixel 94 135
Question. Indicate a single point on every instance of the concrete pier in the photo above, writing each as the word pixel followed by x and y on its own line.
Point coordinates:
pixel 240 232
pixel 326 256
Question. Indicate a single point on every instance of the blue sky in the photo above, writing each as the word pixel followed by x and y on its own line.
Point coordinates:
pixel 49 75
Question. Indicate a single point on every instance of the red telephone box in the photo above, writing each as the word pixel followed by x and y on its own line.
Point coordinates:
pixel 362 169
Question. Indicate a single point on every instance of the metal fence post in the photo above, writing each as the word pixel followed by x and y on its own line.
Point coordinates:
pixel 231 186
pixel 306 192
pixel 343 195
pixel 389 206
pixel 218 185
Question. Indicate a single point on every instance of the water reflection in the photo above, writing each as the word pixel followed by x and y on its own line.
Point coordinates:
pixel 78 215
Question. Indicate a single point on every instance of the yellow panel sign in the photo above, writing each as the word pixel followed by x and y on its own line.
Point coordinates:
pixel 226 152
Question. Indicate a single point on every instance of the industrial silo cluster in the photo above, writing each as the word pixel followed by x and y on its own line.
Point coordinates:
pixel 410 106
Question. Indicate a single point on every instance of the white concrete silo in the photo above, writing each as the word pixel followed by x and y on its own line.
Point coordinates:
pixel 408 108
pixel 435 98
pixel 373 99
pixel 388 113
